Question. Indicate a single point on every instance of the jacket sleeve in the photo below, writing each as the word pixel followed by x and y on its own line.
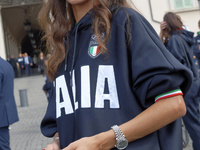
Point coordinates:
pixel 176 45
pixel 30 59
pixel 48 125
pixel 154 69
pixel 48 84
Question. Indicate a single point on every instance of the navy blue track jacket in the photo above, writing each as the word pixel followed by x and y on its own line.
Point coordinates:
pixel 95 91
pixel 178 42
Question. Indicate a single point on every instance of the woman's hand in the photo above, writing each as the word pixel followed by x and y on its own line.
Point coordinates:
pixel 102 141
pixel 86 143
pixel 163 34
pixel 55 145
pixel 163 25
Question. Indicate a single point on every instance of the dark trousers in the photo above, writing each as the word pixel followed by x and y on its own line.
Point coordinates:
pixel 192 117
pixel 15 71
pixel 22 71
pixel 28 69
pixel 4 138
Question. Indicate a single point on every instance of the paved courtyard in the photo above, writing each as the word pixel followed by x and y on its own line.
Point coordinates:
pixel 25 134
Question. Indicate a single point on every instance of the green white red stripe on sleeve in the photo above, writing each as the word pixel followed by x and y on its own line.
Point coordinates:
pixel 169 94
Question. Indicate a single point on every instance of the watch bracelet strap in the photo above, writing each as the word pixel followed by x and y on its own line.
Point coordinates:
pixel 118 132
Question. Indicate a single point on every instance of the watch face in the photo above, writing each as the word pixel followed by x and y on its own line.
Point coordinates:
pixel 122 144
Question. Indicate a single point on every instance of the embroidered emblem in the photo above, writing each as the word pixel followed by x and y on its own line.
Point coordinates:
pixel 94 50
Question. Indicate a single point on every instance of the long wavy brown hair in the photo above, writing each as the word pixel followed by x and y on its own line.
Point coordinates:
pixel 173 22
pixel 56 19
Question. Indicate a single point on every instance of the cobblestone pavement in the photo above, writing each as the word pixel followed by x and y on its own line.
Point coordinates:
pixel 25 134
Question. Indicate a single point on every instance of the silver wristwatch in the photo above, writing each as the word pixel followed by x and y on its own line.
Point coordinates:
pixel 121 141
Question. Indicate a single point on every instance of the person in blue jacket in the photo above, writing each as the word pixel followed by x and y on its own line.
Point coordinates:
pixel 179 43
pixel 8 109
pixel 28 62
pixel 106 96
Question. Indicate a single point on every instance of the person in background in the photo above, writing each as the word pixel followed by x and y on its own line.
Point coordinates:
pixel 41 64
pixel 196 47
pixel 28 63
pixel 197 38
pixel 179 42
pixel 20 64
pixel 106 96
pixel 8 58
pixel 13 63
pixel 35 63
pixel 8 109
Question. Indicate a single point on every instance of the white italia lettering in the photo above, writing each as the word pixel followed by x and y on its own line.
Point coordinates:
pixel 61 88
pixel 103 73
pixel 74 91
pixel 85 87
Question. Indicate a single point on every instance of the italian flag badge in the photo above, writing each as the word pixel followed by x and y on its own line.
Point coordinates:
pixel 94 51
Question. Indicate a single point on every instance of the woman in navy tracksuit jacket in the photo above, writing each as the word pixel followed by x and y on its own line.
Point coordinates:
pixel 101 79
pixel 180 44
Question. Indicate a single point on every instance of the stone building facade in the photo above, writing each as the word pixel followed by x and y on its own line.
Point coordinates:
pixel 19 28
